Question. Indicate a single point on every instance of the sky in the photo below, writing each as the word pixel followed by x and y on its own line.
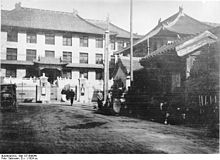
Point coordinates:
pixel 146 13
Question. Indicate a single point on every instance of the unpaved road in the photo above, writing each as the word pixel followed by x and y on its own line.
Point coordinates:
pixel 60 128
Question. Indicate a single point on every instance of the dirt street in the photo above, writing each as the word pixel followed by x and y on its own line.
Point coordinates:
pixel 61 128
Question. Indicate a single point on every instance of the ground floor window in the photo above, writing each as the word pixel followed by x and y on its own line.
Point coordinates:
pixel 83 73
pixel 11 73
pixel 31 73
pixel 67 74
pixel 99 75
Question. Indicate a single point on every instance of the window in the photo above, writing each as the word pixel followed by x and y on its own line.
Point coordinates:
pixel 67 57
pixel 67 40
pixel 49 39
pixel 11 54
pixel 120 45
pixel 30 54
pixel 176 80
pixel 84 42
pixel 67 74
pixel 49 53
pixel 112 44
pixel 99 59
pixel 99 42
pixel 99 75
pixel 31 72
pixel 127 44
pixel 84 73
pixel 12 36
pixel 31 38
pixel 83 58
pixel 10 73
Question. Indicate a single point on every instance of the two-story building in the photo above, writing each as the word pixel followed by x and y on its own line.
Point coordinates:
pixel 59 44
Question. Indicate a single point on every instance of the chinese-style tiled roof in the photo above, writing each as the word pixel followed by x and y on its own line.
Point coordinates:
pixel 119 31
pixel 179 23
pixel 48 20
pixel 16 62
pixel 185 46
pixel 125 61
pixel 82 65
pixel 212 24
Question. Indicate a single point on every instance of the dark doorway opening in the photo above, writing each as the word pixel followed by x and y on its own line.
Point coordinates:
pixel 52 74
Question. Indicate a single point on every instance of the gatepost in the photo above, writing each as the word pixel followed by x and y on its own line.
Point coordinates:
pixel 83 96
pixel 44 90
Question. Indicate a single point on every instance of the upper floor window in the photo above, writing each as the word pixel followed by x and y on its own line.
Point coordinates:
pixel 67 57
pixel 31 38
pixel 11 54
pixel 31 55
pixel 84 74
pixel 12 36
pixel 120 45
pixel 99 59
pixel 10 73
pixel 49 53
pixel 49 39
pixel 99 75
pixel 112 44
pixel 99 42
pixel 83 58
pixel 84 41
pixel 67 40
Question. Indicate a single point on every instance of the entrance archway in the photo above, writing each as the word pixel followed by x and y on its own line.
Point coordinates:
pixel 52 74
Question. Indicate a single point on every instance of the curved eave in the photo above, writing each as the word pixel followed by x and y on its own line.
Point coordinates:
pixel 85 66
pixel 16 62
pixel 42 63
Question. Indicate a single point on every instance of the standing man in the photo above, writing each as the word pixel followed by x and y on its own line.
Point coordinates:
pixel 100 99
pixel 71 96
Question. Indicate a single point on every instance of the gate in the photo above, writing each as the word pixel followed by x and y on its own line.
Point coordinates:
pixel 53 93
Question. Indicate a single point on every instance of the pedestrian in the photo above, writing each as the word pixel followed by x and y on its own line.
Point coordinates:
pixel 71 96
pixel 99 99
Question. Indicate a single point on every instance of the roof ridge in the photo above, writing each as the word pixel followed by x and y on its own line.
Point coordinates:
pixel 103 21
pixel 90 23
pixel 198 21
pixel 99 20
pixel 46 10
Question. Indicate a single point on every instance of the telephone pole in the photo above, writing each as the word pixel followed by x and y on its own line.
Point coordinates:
pixel 106 61
pixel 131 39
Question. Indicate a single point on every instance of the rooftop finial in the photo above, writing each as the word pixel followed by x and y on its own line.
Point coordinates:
pixel 75 11
pixel 159 21
pixel 18 5
pixel 181 9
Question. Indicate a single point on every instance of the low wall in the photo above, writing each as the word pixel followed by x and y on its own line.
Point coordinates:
pixel 26 93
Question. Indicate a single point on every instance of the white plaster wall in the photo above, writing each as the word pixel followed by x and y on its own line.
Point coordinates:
pixel 75 74
pixel 91 76
pixel 21 73
pixel 3 72
pixel 3 44
pixel 40 47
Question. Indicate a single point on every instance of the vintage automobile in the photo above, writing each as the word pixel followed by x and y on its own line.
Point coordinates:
pixel 8 99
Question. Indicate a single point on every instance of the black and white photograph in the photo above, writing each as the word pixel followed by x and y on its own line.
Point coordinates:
pixel 109 77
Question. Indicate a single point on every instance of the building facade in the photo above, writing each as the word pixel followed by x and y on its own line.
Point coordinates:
pixel 59 44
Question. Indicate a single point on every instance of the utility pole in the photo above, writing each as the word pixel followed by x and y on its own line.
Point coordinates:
pixel 148 46
pixel 106 61
pixel 131 39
